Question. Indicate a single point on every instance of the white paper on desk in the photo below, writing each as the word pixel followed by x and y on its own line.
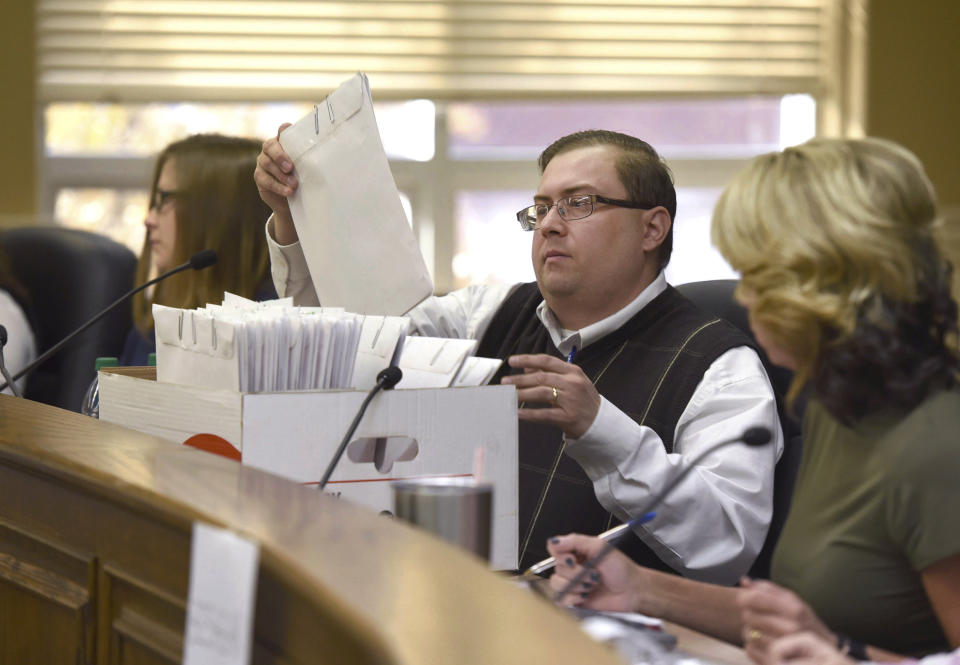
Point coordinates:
pixel 379 347
pixel 220 601
pixel 359 247
pixel 432 362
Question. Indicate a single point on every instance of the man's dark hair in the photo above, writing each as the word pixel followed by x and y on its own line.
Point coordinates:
pixel 644 174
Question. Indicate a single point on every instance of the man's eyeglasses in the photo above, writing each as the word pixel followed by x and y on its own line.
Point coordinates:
pixel 161 197
pixel 569 209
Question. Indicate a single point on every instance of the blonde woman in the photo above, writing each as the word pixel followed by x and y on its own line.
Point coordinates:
pixel 202 196
pixel 845 285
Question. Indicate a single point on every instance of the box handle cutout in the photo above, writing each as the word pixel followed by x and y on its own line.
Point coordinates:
pixel 383 451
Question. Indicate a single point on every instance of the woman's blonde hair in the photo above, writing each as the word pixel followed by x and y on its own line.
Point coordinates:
pixel 216 206
pixel 833 240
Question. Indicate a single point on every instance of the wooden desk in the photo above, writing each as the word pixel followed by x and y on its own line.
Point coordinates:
pixel 95 526
pixel 94 554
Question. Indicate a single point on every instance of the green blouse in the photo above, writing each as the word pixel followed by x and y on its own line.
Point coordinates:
pixel 873 506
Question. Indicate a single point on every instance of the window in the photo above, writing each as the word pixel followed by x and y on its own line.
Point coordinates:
pixel 707 83
pixel 461 199
pixel 494 146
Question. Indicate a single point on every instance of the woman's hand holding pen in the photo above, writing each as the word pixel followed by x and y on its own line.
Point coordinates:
pixel 612 586
pixel 573 401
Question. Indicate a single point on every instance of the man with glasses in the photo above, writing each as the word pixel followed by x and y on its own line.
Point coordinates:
pixel 621 380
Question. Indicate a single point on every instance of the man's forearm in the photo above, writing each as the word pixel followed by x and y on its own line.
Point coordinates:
pixel 284 231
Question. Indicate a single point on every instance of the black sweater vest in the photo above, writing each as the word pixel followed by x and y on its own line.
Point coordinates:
pixel 648 368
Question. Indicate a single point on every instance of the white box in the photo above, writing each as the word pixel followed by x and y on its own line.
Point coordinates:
pixel 295 434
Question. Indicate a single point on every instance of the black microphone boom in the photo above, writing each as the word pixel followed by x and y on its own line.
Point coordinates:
pixel 198 261
pixel 386 379
pixel 752 436
pixel 3 363
pixel 202 259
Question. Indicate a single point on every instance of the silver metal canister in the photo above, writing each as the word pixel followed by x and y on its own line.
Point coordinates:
pixel 457 510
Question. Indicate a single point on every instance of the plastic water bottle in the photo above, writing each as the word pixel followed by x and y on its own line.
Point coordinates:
pixel 91 400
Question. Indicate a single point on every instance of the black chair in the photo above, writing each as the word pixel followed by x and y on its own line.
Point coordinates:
pixel 69 276
pixel 716 297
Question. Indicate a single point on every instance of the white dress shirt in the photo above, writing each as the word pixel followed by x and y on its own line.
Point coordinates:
pixel 714 523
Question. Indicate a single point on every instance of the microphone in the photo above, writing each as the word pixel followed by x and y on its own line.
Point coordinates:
pixel 198 261
pixel 752 436
pixel 3 363
pixel 202 259
pixel 386 379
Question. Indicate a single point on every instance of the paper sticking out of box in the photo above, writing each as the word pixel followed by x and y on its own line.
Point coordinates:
pixel 250 346
pixel 433 362
pixel 381 341
pixel 272 346
pixel 359 247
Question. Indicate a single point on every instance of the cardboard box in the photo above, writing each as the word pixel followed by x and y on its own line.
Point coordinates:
pixel 404 434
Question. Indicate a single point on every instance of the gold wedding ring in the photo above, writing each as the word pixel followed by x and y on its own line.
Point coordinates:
pixel 556 395
pixel 753 634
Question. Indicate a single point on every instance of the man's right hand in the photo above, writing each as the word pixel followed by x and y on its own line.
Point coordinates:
pixel 275 181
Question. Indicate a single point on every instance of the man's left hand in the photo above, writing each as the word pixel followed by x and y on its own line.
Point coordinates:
pixel 572 400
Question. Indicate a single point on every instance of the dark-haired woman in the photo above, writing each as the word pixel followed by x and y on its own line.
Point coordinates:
pixel 202 197
pixel 846 285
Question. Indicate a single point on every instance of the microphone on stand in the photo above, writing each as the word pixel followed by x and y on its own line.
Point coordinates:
pixel 3 364
pixel 752 436
pixel 199 261
pixel 386 379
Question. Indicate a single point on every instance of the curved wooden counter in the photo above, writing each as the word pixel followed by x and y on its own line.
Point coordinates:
pixel 95 526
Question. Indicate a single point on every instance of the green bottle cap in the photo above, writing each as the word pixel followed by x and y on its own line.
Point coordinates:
pixel 105 361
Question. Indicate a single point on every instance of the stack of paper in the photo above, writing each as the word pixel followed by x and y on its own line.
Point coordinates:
pixel 257 347
pixel 273 346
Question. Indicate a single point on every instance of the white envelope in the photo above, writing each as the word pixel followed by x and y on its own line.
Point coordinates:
pixel 359 247
pixel 432 362
pixel 476 372
pixel 192 349
pixel 379 347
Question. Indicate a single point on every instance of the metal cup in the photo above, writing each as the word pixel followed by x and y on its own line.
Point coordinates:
pixel 457 510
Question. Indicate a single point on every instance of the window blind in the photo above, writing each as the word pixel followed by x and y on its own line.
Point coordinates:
pixel 237 50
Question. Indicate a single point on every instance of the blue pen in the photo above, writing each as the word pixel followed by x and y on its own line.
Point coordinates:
pixel 570 355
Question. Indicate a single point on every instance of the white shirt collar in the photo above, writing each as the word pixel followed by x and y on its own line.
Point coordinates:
pixel 568 340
